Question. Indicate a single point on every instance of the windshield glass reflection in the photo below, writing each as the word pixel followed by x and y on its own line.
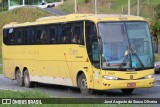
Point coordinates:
pixel 126 45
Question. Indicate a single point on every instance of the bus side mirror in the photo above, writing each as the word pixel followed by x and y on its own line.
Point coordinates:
pixel 100 45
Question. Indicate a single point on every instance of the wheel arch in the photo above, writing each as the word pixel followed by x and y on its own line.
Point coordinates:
pixel 15 71
pixel 79 73
pixel 25 68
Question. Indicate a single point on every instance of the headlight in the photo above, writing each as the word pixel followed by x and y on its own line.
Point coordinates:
pixel 149 76
pixel 110 77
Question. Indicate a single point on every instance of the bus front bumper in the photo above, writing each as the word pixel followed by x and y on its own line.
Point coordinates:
pixel 124 84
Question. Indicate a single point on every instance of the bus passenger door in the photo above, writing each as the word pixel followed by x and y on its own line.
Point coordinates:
pixel 93 53
pixel 95 59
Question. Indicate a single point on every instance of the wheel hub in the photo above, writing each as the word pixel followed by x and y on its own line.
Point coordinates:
pixel 84 83
pixel 26 80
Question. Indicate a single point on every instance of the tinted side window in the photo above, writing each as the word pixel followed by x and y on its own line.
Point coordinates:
pixel 78 33
pixel 41 36
pixel 52 34
pixel 90 31
pixel 5 37
pixel 92 43
pixel 62 33
pixel 31 36
pixel 11 36
pixel 19 36
pixel 66 33
pixel 25 40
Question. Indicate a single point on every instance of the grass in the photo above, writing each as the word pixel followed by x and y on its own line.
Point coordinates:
pixel 157 57
pixel 147 7
pixel 0 46
pixel 25 94
pixel 19 15
pixel 1 69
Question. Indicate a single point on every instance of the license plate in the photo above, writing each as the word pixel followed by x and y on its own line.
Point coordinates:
pixel 131 85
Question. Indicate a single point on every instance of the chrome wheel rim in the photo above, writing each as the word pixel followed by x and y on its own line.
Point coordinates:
pixel 26 80
pixel 84 83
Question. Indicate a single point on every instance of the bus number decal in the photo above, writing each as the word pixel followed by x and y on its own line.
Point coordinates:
pixel 73 51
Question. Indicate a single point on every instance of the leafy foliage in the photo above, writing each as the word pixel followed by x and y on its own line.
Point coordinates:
pixel 157 10
pixel 4 5
pixel 155 24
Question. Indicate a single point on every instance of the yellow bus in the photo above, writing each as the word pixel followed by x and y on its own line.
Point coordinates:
pixel 88 51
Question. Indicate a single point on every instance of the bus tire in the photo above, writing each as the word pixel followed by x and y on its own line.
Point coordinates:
pixel 82 84
pixel 27 82
pixel 19 78
pixel 127 91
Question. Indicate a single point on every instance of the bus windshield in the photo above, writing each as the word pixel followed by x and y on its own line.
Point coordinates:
pixel 126 45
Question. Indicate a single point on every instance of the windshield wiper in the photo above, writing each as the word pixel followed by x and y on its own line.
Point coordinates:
pixel 105 60
pixel 133 52
pixel 125 59
pixel 130 52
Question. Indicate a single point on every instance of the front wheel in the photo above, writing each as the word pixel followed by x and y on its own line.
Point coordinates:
pixel 27 82
pixel 127 91
pixel 82 84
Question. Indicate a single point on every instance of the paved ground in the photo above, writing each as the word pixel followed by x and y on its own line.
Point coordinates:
pixel 63 91
pixel 55 11
pixel 157 76
pixel 49 10
pixel 158 49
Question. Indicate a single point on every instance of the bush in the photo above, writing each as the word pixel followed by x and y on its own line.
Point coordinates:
pixel 155 24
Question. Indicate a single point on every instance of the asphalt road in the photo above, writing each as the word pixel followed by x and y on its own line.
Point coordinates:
pixel 63 91
pixel 55 11
pixel 49 10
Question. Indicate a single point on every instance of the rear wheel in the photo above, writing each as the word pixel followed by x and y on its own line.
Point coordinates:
pixel 158 71
pixel 27 82
pixel 82 84
pixel 19 78
pixel 127 91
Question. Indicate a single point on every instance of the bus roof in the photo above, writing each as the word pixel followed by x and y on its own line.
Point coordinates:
pixel 76 17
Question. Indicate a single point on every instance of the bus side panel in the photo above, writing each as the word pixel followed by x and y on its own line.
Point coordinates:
pixel 8 69
pixel 65 73
pixel 43 71
pixel 86 68
pixel 8 62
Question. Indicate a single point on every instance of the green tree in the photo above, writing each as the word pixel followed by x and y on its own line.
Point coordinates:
pixel 155 28
pixel 86 1
pixel 155 24
pixel 157 10
pixel 4 5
